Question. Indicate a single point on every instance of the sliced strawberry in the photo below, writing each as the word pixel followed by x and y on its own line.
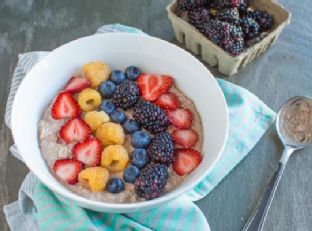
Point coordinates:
pixel 185 161
pixel 185 138
pixel 88 152
pixel 181 118
pixel 152 86
pixel 68 170
pixel 168 101
pixel 76 84
pixel 74 130
pixel 65 106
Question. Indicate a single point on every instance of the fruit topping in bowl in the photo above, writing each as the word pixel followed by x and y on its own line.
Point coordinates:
pixel 186 160
pixel 122 136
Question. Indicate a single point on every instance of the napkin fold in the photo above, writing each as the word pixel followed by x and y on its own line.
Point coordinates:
pixel 38 208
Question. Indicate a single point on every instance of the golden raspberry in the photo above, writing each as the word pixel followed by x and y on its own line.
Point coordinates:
pixel 96 72
pixel 94 178
pixel 89 99
pixel 115 158
pixel 213 12
pixel 95 119
pixel 110 133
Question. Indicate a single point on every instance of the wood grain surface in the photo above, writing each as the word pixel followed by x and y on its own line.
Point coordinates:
pixel 284 71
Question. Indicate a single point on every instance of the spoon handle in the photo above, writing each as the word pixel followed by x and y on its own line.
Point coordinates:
pixel 257 219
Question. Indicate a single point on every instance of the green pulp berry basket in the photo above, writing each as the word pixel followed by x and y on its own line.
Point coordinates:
pixel 214 55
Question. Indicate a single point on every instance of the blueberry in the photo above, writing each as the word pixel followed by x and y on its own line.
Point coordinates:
pixel 130 174
pixel 118 117
pixel 107 106
pixel 107 89
pixel 118 77
pixel 139 158
pixel 140 139
pixel 131 126
pixel 132 72
pixel 115 185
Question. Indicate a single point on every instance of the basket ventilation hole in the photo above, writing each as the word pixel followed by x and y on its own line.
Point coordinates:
pixel 242 63
pixel 182 37
pixel 199 49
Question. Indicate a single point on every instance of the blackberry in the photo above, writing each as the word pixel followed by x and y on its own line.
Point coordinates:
pixel 150 117
pixel 127 94
pixel 216 30
pixel 229 15
pixel 161 149
pixel 151 181
pixel 232 3
pixel 198 16
pixel 222 4
pixel 236 31
pixel 225 35
pixel 250 28
pixel 234 46
pixel 238 47
pixel 243 9
pixel 191 4
pixel 264 19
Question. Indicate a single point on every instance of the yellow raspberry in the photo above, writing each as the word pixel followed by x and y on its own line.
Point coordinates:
pixel 94 178
pixel 110 133
pixel 115 158
pixel 95 119
pixel 89 99
pixel 213 12
pixel 96 72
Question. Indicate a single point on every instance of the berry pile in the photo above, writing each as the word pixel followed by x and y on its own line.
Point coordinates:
pixel 231 24
pixel 103 110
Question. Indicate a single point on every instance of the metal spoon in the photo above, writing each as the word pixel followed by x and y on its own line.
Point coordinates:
pixel 257 219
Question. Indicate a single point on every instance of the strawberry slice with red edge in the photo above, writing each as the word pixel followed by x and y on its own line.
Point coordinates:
pixel 68 170
pixel 64 107
pixel 151 86
pixel 185 138
pixel 76 84
pixel 88 152
pixel 168 101
pixel 74 130
pixel 185 161
pixel 181 118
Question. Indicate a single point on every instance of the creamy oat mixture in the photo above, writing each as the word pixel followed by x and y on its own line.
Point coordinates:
pixel 52 149
pixel 297 121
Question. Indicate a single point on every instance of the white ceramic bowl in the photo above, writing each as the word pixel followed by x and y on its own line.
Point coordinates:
pixel 119 50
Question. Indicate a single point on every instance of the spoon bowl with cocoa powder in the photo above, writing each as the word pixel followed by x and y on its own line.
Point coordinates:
pixel 294 128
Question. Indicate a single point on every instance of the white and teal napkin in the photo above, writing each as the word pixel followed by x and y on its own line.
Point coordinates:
pixel 38 208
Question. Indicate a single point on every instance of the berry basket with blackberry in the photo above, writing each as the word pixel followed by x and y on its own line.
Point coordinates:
pixel 227 33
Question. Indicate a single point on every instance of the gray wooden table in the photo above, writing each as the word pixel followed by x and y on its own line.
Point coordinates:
pixel 283 72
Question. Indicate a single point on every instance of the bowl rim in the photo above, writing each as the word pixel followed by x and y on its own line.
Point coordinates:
pixel 140 204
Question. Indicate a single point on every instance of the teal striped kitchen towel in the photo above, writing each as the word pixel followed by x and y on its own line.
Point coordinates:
pixel 40 209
